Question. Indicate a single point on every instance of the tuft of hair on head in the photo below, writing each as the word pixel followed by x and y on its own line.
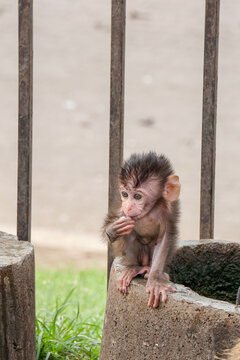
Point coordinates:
pixel 140 167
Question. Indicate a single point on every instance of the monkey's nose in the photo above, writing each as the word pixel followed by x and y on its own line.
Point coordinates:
pixel 129 211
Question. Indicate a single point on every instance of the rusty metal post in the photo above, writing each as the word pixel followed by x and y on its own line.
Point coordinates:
pixel 25 60
pixel 116 105
pixel 210 80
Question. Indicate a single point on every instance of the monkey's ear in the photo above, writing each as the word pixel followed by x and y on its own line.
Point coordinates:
pixel 172 188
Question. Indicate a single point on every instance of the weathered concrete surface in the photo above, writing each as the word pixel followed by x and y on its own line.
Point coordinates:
pixel 17 301
pixel 187 327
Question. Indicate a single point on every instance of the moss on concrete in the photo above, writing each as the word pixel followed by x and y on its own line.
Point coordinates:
pixel 211 269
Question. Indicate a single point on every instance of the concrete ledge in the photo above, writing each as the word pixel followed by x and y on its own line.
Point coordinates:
pixel 187 327
pixel 17 301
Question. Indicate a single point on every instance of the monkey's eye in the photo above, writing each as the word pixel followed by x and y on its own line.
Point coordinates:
pixel 137 196
pixel 124 194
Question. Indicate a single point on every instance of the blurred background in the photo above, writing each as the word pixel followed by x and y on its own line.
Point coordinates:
pixel 163 109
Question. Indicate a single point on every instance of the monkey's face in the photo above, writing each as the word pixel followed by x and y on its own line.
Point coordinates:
pixel 138 201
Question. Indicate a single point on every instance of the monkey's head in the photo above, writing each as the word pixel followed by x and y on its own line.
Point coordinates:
pixel 144 179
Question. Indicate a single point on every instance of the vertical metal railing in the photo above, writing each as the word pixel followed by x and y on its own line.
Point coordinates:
pixel 210 80
pixel 208 119
pixel 116 104
pixel 25 62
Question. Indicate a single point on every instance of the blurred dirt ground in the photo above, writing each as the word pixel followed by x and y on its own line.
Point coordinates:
pixel 164 62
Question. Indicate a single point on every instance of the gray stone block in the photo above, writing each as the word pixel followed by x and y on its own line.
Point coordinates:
pixel 187 327
pixel 17 300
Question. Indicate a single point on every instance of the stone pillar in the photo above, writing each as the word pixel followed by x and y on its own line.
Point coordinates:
pixel 187 327
pixel 17 299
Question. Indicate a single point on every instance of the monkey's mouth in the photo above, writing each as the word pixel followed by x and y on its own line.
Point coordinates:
pixel 136 217
pixel 133 217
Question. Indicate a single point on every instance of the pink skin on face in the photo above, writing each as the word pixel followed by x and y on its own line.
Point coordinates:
pixel 137 202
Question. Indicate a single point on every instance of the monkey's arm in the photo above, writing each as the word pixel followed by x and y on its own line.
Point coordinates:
pixel 119 227
pixel 157 281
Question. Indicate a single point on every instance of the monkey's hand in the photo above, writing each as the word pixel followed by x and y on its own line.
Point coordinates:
pixel 157 288
pixel 121 227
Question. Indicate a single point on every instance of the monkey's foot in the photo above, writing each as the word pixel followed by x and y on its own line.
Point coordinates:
pixel 157 289
pixel 129 274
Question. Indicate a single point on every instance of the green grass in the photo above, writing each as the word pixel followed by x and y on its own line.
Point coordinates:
pixel 70 308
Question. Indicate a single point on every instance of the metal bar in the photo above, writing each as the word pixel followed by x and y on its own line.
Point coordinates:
pixel 116 105
pixel 210 80
pixel 25 119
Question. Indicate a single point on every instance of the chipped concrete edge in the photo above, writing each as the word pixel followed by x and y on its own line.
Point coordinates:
pixel 187 295
pixel 13 251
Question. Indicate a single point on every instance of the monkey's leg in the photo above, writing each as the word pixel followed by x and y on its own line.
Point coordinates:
pixel 136 262
pixel 157 285
pixel 129 274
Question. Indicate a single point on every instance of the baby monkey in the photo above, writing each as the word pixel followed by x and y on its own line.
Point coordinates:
pixel 143 232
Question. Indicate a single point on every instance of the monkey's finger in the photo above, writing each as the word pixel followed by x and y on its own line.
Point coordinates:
pixel 131 276
pixel 124 287
pixel 120 285
pixel 121 281
pixel 151 298
pixel 164 295
pixel 127 232
pixel 128 218
pixel 124 281
pixel 170 288
pixel 124 220
pixel 127 279
pixel 125 223
pixel 125 276
pixel 121 219
pixel 156 300
pixel 124 227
